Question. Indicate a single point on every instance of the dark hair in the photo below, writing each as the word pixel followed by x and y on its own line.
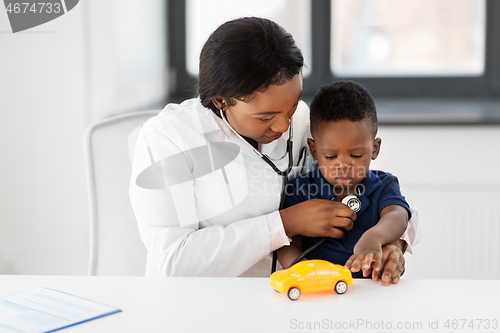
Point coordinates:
pixel 343 100
pixel 244 56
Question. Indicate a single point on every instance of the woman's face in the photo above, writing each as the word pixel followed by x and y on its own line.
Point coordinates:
pixel 267 115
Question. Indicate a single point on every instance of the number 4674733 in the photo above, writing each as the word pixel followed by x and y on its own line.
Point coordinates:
pixel 35 8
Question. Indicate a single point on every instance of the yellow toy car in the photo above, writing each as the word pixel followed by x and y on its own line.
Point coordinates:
pixel 311 275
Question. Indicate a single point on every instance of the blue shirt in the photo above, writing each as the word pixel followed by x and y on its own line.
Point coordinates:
pixel 376 191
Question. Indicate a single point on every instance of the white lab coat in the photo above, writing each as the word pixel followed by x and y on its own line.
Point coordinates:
pixel 202 197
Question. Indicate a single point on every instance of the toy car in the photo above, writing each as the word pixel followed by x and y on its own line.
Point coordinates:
pixel 311 275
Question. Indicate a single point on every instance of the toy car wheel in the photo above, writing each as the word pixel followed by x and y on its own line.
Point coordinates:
pixel 341 287
pixel 293 293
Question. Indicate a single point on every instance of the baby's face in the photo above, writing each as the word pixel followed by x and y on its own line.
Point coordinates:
pixel 344 150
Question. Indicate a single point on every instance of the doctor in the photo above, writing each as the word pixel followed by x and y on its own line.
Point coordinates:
pixel 205 199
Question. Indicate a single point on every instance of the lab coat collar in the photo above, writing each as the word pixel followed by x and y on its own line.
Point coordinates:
pixel 228 132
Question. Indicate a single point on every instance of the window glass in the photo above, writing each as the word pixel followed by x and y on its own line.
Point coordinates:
pixel 203 17
pixel 407 37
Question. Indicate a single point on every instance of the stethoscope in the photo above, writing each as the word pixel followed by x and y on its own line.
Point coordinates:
pixel 351 201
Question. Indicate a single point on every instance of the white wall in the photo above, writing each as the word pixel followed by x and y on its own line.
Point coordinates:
pixel 99 59
pixel 451 175
pixel 43 206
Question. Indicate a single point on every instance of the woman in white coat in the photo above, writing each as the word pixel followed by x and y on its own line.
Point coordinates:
pixel 206 202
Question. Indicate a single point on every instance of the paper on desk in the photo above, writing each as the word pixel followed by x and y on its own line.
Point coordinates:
pixel 47 310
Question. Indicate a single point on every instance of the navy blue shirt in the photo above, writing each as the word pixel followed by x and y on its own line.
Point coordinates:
pixel 376 191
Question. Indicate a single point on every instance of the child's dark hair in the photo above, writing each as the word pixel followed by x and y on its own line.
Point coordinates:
pixel 343 100
pixel 244 56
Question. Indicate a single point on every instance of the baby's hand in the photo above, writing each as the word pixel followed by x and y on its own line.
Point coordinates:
pixel 367 255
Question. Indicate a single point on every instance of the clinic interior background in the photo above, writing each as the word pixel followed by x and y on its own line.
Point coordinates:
pixel 110 57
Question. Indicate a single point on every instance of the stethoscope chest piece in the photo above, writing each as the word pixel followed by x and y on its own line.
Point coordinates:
pixel 352 202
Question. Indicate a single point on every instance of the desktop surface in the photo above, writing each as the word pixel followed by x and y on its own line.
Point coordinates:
pixel 251 305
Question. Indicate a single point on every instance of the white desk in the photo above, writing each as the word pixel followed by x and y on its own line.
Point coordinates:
pixel 251 305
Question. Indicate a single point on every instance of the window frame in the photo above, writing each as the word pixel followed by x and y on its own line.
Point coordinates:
pixel 454 88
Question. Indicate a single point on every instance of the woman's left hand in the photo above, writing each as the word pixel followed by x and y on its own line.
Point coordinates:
pixel 393 264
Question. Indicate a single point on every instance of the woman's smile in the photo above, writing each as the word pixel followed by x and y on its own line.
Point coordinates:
pixel 275 137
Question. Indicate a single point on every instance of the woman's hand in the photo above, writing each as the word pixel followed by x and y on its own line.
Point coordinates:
pixel 393 264
pixel 318 218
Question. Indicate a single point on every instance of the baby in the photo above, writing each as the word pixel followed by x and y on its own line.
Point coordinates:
pixel 344 128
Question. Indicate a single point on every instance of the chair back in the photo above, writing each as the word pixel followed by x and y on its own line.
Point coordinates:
pixel 116 248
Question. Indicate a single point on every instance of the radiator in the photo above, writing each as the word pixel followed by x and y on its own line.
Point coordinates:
pixel 460 232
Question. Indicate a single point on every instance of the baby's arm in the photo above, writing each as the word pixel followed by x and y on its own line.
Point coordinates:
pixel 287 254
pixel 368 250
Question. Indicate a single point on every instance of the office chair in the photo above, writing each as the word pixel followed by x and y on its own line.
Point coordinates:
pixel 115 245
